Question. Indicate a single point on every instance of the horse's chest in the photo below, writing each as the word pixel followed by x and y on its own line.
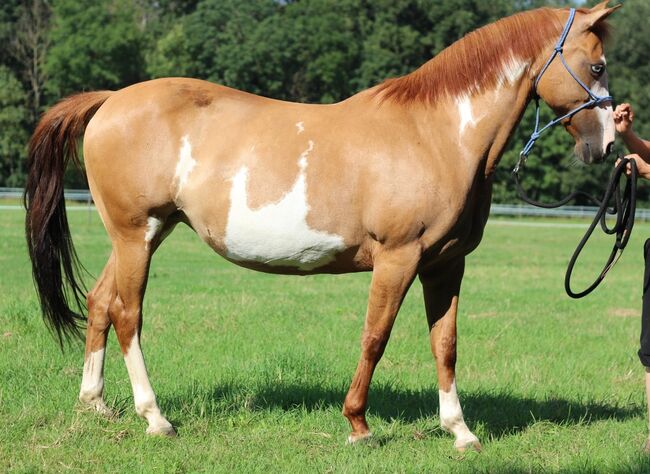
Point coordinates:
pixel 277 234
pixel 463 224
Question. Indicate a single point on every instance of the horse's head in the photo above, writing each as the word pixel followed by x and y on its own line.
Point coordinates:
pixel 583 51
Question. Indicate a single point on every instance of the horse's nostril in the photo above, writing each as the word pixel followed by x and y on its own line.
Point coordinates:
pixel 609 147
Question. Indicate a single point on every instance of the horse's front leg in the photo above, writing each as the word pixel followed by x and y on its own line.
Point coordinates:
pixel 393 273
pixel 441 301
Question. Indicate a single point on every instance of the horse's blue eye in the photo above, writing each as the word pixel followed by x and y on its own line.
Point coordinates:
pixel 597 69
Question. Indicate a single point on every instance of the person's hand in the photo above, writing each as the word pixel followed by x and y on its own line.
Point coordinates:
pixel 642 166
pixel 623 118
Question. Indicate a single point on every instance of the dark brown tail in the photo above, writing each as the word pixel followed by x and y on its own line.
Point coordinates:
pixel 55 266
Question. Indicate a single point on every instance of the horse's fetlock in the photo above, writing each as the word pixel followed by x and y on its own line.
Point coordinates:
pixel 91 394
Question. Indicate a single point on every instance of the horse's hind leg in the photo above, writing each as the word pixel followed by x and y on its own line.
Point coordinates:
pixel 393 273
pixel 132 257
pixel 441 301
pixel 99 299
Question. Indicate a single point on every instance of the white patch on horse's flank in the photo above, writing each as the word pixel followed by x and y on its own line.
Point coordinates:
pixel 277 233
pixel 465 112
pixel 92 381
pixel 301 127
pixel 153 227
pixel 451 417
pixel 605 114
pixel 185 165
pixel 143 396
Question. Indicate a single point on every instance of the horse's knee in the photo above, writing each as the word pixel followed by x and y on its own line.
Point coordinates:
pixel 373 345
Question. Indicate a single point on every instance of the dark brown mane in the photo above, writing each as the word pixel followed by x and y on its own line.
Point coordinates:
pixel 477 60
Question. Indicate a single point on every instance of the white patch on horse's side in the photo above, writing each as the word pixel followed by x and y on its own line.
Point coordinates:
pixel 153 227
pixel 277 233
pixel 143 396
pixel 451 417
pixel 605 114
pixel 465 112
pixel 301 127
pixel 185 165
pixel 92 381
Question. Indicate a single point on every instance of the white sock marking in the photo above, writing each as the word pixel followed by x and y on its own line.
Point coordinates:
pixel 185 164
pixel 277 233
pixel 92 381
pixel 451 417
pixel 143 395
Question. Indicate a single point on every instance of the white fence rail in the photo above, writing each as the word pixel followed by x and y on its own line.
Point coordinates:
pixel 525 210
pixel 511 210
pixel 77 195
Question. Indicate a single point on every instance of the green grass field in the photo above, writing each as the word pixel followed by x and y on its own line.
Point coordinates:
pixel 252 368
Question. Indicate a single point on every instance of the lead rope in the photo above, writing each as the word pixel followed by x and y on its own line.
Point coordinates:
pixel 624 208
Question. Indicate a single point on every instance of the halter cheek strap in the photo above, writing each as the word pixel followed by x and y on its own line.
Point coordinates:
pixel 594 99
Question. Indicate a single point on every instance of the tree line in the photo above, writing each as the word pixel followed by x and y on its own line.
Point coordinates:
pixel 302 50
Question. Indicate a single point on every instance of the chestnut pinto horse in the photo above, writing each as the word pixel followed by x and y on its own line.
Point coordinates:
pixel 396 179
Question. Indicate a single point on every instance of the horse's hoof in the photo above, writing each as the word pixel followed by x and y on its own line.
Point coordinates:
pixel 162 430
pixel 468 445
pixel 358 438
pixel 98 406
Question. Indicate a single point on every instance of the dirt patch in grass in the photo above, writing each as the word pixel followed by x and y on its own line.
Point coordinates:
pixel 625 312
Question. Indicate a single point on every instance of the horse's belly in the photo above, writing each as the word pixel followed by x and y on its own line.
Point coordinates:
pixel 277 234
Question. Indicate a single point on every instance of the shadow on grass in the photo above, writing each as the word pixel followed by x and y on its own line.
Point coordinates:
pixel 500 413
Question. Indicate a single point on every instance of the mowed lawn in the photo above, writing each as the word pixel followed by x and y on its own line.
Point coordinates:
pixel 252 368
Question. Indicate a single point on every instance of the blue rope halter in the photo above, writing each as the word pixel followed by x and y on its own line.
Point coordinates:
pixel 594 100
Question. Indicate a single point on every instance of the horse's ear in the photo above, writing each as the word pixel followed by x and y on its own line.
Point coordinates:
pixel 597 14
pixel 600 6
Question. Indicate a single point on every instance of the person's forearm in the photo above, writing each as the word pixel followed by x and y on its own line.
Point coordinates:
pixel 637 145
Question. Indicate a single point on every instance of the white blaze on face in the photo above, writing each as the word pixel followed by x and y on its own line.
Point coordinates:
pixel 605 113
pixel 185 164
pixel 277 233
pixel 451 417
pixel 301 127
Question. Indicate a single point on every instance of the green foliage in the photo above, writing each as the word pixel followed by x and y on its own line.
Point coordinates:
pixel 96 46
pixel 9 13
pixel 628 59
pixel 14 118
pixel 312 51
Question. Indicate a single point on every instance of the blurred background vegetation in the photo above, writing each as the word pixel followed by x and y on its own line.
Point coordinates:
pixel 303 50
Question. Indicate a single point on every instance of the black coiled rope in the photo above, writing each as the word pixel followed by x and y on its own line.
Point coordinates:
pixel 623 207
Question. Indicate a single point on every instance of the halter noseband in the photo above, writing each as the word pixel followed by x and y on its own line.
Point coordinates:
pixel 594 100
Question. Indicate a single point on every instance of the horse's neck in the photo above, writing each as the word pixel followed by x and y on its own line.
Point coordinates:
pixel 486 121
pixel 477 127
pixel 506 115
